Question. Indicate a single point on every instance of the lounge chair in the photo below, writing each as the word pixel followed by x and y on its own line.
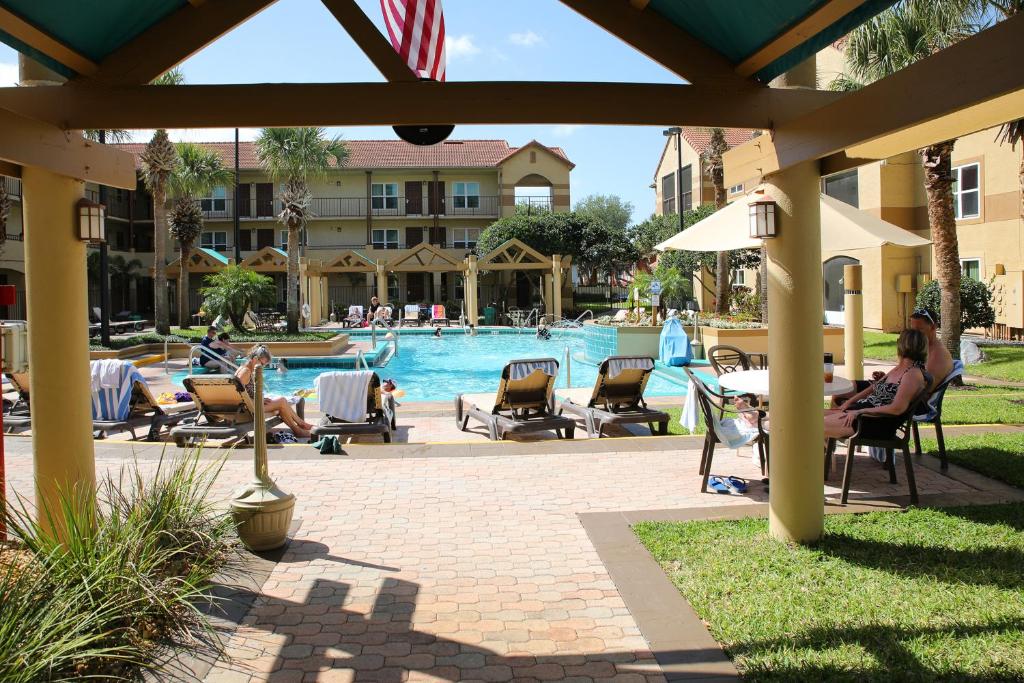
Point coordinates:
pixel 355 317
pixel 131 405
pixel 523 402
pixel 226 410
pixel 376 417
pixel 411 315
pixel 265 322
pixel 19 415
pixel 617 397
pixel 438 316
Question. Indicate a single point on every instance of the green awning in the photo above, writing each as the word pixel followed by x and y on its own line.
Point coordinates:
pixel 214 254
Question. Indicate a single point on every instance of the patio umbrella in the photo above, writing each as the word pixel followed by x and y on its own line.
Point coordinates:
pixel 843 227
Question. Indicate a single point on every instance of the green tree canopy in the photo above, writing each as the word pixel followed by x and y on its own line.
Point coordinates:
pixel 234 290
pixel 607 208
pixel 975 303
pixel 657 229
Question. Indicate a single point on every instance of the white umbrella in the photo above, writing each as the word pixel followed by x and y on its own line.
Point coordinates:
pixel 843 227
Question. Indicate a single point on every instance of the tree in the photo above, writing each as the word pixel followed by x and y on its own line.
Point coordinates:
pixel 607 208
pixel 121 270
pixel 975 302
pixel 716 171
pixel 893 40
pixel 294 157
pixel 197 173
pixel 234 290
pixel 159 160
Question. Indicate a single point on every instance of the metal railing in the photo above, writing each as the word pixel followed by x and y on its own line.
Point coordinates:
pixel 534 314
pixel 12 186
pixel 199 350
pixel 357 207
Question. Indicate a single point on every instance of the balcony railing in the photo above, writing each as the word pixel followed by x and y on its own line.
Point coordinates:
pixel 117 207
pixel 357 207
pixel 13 186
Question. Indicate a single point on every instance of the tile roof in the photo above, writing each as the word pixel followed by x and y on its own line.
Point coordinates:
pixel 369 154
pixel 699 138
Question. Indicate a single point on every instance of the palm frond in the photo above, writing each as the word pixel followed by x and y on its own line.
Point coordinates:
pixel 299 154
pixel 172 77
pixel 198 171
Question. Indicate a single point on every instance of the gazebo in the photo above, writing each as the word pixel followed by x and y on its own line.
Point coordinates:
pixel 91 63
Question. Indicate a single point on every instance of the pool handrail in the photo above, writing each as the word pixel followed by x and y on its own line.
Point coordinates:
pixel 199 350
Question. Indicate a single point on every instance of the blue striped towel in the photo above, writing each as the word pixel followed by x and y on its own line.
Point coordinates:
pixel 343 394
pixel 112 404
pixel 524 368
pixel 617 364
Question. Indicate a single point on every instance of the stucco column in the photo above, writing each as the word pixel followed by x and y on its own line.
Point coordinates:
pixel 58 338
pixel 471 294
pixel 316 299
pixel 382 284
pixel 556 285
pixel 549 302
pixel 436 279
pixel 795 350
pixel 853 320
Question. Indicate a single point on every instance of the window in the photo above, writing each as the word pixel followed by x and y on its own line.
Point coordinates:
pixel 466 195
pixel 283 234
pixel 384 196
pixel 842 186
pixel 686 178
pixel 214 240
pixel 460 288
pixel 967 191
pixel 393 287
pixel 668 193
pixel 465 238
pixel 216 202
pixel 970 267
pixel 385 239
pixel 739 277
pixel 736 189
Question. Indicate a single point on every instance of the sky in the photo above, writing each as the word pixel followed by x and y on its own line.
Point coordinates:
pixel 528 40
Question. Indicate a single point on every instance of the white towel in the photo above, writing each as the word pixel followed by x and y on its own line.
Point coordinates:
pixel 688 418
pixel 106 373
pixel 521 369
pixel 343 394
pixel 617 364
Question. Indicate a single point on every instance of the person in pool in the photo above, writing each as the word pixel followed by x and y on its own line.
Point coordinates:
pixel 437 332
pixel 260 356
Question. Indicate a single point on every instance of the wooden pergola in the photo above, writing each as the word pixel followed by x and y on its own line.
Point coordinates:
pixel 725 54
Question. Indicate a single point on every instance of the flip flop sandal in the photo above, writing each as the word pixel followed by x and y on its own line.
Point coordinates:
pixel 735 485
pixel 717 485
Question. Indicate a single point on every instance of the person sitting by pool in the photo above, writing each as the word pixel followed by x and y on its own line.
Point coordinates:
pixel 371 311
pixel 246 374
pixel 219 345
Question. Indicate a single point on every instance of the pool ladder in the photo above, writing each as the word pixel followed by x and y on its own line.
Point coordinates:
pixel 395 334
pixel 199 350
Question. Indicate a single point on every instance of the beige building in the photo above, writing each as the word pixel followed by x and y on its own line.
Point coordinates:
pixel 413 212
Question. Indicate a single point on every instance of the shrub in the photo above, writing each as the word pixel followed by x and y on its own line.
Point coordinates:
pixel 124 578
pixel 975 302
pixel 234 290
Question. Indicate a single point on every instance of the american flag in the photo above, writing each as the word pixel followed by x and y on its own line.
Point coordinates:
pixel 416 28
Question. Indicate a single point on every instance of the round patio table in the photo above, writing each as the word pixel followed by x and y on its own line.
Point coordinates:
pixel 756 382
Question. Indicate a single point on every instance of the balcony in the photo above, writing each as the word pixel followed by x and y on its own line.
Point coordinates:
pixel 118 205
pixel 12 186
pixel 356 207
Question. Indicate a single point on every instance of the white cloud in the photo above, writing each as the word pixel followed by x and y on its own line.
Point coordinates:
pixel 457 47
pixel 8 75
pixel 526 39
pixel 565 130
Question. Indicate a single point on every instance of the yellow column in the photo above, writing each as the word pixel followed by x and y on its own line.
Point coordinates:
pixel 853 320
pixel 316 301
pixel 58 338
pixel 795 350
pixel 549 302
pixel 472 310
pixel 382 284
pixel 556 285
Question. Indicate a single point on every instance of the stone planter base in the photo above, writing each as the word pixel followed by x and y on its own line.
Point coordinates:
pixel 756 340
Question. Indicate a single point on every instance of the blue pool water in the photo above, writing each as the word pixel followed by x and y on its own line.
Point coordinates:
pixel 430 369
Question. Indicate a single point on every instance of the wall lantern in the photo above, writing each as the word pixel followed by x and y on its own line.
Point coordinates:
pixel 762 217
pixel 91 221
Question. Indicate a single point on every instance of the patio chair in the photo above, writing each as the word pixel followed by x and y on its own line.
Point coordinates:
pixel 264 322
pixel 131 405
pixel 376 417
pixel 721 430
pixel 411 315
pixel 934 414
pixel 725 358
pixel 438 316
pixel 523 403
pixel 226 411
pixel 864 425
pixel 19 415
pixel 355 317
pixel 617 397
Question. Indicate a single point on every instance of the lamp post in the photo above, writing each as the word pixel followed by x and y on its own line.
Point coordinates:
pixel 677 132
pixel 104 269
pixel 238 246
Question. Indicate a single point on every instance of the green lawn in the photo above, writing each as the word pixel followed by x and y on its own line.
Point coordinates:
pixel 920 595
pixel 1003 362
pixel 1000 456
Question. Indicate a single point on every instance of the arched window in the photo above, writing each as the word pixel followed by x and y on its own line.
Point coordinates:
pixel 832 272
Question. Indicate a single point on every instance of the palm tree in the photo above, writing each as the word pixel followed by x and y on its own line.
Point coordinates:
pixel 197 173
pixel 716 171
pixel 122 272
pixel 159 161
pixel 902 35
pixel 294 157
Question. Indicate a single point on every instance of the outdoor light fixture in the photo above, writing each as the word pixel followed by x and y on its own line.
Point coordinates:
pixel 91 221
pixel 674 130
pixel 762 217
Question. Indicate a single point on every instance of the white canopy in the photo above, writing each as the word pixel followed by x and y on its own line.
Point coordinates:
pixel 843 227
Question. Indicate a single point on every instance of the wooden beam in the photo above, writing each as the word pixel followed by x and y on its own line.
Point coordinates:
pixel 31 143
pixel 808 27
pixel 371 41
pixel 17 27
pixel 77 106
pixel 10 170
pixel 980 76
pixel 174 39
pixel 661 40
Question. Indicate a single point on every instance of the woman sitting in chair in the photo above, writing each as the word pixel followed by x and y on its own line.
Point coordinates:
pixel 246 374
pixel 889 397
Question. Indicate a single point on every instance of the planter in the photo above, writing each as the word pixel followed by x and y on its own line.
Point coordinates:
pixel 756 340
pixel 601 341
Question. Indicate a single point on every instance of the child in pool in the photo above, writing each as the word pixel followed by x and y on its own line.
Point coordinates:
pixel 437 332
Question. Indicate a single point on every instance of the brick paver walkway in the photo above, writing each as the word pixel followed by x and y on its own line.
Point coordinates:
pixel 460 568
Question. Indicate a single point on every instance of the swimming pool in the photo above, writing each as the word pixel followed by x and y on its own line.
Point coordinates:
pixel 430 369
